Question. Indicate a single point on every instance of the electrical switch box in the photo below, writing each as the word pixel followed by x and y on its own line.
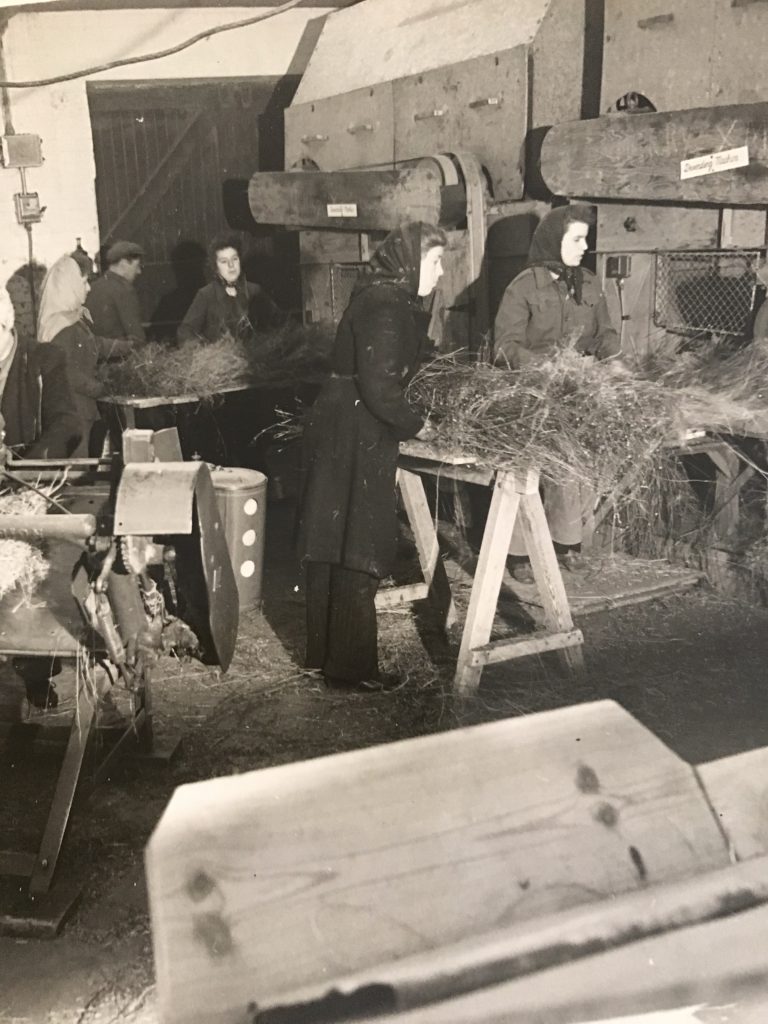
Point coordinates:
pixel 618 266
pixel 28 209
pixel 24 150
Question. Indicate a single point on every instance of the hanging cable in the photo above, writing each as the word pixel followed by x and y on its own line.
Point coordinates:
pixel 272 13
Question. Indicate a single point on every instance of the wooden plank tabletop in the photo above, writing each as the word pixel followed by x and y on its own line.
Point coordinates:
pixel 266 882
pixel 154 401
pixel 433 453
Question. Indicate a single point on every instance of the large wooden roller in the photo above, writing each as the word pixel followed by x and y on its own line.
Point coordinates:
pixel 704 155
pixel 369 200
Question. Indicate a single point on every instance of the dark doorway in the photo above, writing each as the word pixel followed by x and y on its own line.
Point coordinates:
pixel 172 164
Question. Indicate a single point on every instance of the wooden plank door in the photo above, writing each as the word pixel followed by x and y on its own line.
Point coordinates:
pixel 173 161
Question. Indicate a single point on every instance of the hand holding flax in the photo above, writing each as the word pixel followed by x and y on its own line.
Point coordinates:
pixel 427 432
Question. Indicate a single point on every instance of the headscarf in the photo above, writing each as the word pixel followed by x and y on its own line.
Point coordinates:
pixel 397 260
pixel 61 304
pixel 547 241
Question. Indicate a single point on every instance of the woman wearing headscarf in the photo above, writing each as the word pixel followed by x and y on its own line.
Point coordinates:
pixel 36 409
pixel 229 304
pixel 348 524
pixel 64 322
pixel 555 302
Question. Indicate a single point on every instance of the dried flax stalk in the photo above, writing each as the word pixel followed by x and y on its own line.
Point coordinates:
pixel 22 565
pixel 198 367
pixel 569 417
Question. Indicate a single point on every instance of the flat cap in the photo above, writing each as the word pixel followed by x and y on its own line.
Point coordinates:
pixel 122 250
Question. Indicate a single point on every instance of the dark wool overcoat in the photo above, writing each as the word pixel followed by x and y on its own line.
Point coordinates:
pixel 37 405
pixel 214 313
pixel 348 512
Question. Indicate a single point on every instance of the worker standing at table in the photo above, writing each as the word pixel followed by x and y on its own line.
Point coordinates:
pixel 555 302
pixel 230 304
pixel 112 301
pixel 38 419
pixel 348 523
pixel 65 323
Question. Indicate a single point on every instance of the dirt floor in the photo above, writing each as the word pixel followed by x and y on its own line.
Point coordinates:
pixel 691 667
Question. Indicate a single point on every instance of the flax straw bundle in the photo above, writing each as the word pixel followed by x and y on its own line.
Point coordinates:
pixel 570 417
pixel 194 368
pixel 715 386
pixel 22 564
pixel 276 358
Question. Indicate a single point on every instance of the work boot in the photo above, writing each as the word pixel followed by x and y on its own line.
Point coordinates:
pixel 384 682
pixel 573 561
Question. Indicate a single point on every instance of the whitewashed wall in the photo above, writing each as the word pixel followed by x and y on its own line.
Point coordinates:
pixel 45 44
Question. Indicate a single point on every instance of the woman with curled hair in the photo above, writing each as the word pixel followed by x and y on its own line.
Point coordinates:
pixel 348 525
pixel 229 304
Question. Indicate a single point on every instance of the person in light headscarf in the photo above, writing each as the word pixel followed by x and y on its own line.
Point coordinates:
pixel 64 321
pixel 37 415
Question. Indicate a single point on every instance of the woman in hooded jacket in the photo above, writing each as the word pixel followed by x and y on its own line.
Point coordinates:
pixel 347 523
pixel 65 322
pixel 556 302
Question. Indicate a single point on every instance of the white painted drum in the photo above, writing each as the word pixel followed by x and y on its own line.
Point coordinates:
pixel 242 500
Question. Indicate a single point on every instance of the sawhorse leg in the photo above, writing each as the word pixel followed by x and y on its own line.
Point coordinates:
pixel 515 495
pixel 427 544
pixel 435 585
pixel 546 573
pixel 488 577
pixel 728 483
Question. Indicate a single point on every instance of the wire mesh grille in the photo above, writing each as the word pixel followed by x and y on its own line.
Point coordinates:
pixel 705 291
pixel 343 278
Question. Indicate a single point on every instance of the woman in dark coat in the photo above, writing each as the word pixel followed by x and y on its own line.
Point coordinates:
pixel 229 304
pixel 348 524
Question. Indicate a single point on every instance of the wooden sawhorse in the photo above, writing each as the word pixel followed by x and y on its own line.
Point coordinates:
pixel 514 494
pixel 732 469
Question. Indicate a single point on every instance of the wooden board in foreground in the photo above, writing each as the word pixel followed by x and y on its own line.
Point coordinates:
pixel 268 882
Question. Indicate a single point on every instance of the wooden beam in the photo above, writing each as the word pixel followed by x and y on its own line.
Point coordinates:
pixel 502 650
pixel 347 200
pixel 639 156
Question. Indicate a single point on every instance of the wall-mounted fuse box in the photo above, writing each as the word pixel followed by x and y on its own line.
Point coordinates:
pixel 23 150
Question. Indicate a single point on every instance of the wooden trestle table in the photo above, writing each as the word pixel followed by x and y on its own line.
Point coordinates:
pixel 515 494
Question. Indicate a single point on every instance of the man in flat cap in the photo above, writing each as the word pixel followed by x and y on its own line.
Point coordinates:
pixel 112 301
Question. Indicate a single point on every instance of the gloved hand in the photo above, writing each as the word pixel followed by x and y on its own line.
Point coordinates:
pixel 617 366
